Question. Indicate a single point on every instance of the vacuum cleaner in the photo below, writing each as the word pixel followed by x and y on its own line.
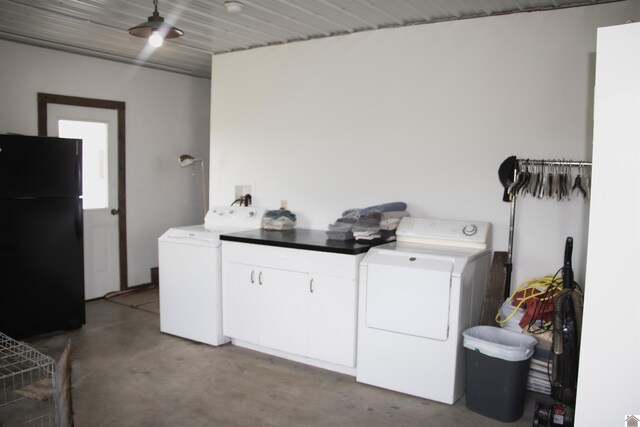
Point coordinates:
pixel 567 322
pixel 552 415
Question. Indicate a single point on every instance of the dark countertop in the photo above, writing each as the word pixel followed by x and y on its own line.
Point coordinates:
pixel 298 238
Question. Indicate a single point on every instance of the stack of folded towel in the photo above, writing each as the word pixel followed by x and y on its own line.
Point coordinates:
pixel 279 219
pixel 378 227
pixel 367 227
pixel 342 229
pixel 372 225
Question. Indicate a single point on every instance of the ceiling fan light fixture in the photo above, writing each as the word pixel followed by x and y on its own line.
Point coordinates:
pixel 233 7
pixel 155 27
pixel 156 39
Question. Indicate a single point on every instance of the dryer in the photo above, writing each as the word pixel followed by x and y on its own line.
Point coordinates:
pixel 416 297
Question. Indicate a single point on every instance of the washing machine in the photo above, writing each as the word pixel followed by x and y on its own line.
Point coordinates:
pixel 190 273
pixel 416 297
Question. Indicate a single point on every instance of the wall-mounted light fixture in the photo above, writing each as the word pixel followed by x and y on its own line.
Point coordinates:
pixel 187 160
pixel 155 29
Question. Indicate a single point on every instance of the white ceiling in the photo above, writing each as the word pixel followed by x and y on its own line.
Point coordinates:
pixel 99 27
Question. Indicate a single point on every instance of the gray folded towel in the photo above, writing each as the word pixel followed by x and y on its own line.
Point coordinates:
pixel 339 235
pixel 340 226
pixel 351 213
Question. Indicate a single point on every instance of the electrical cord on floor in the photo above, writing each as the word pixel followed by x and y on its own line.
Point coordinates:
pixel 114 297
pixel 136 289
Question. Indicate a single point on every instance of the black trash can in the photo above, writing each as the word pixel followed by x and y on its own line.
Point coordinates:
pixel 497 362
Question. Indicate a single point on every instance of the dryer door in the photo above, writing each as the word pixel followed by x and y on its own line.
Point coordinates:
pixel 409 294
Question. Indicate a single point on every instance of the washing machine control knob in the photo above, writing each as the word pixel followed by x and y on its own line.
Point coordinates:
pixel 470 230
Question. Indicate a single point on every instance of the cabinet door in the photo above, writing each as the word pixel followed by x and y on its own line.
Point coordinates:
pixel 332 320
pixel 283 310
pixel 240 301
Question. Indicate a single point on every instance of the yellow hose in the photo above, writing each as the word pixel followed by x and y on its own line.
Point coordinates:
pixel 538 287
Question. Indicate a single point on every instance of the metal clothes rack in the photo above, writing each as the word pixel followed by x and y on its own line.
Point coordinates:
pixel 519 166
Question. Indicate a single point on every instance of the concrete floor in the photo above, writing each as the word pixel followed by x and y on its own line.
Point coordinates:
pixel 127 373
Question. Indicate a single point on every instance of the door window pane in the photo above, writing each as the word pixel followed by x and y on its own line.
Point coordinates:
pixel 95 171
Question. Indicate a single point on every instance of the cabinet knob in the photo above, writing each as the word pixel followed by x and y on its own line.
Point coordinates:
pixel 311 285
pixel 260 278
pixel 252 281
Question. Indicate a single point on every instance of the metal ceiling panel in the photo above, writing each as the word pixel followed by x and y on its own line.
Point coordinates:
pixel 99 27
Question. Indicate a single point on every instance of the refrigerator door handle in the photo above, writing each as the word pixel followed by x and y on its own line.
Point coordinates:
pixel 79 222
pixel 79 175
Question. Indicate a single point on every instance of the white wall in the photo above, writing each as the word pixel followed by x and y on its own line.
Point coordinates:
pixel 610 350
pixel 421 114
pixel 167 115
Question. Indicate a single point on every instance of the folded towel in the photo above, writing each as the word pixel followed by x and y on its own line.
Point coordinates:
pixel 339 235
pixel 360 229
pixel 366 225
pixel 351 213
pixel 366 233
pixel 347 220
pixel 369 219
pixel 280 223
pixel 385 207
pixel 341 226
pixel 394 214
pixel 277 213
pixel 389 224
pixel 369 222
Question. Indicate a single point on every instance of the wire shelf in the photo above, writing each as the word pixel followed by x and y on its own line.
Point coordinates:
pixel 26 385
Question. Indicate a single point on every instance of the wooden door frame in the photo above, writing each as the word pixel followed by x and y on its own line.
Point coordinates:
pixel 44 99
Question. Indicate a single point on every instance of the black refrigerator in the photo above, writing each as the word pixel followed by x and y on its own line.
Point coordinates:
pixel 41 245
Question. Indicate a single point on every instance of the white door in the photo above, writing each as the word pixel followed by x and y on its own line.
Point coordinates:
pixel 98 129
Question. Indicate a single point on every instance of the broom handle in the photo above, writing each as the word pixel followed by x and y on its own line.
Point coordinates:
pixel 512 224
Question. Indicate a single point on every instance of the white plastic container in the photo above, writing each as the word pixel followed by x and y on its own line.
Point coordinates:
pixel 500 343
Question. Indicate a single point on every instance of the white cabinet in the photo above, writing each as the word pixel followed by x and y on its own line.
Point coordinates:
pixel 332 319
pixel 300 302
pixel 282 310
pixel 240 302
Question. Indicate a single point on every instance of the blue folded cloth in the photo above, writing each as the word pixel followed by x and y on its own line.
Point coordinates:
pixel 385 207
pixel 277 213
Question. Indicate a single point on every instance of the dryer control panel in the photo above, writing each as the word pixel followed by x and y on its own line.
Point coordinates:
pixel 467 234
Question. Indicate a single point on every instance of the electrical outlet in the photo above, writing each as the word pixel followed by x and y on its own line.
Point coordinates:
pixel 283 204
